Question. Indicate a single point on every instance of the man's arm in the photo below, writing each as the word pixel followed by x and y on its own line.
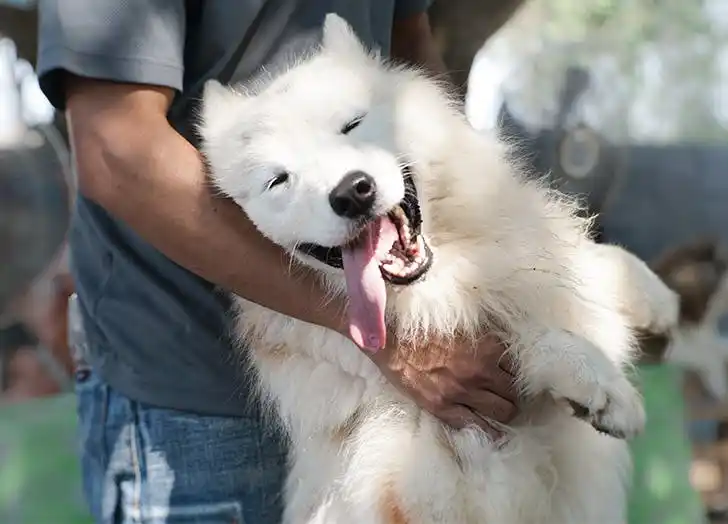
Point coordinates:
pixel 136 166
pixel 115 66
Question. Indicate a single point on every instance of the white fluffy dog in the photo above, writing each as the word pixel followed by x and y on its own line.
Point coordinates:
pixel 368 173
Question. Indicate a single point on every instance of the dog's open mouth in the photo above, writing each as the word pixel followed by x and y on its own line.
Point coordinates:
pixel 389 248
pixel 408 257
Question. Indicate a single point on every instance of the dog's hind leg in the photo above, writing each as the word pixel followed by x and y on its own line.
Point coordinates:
pixel 593 476
pixel 575 370
pixel 399 472
pixel 644 299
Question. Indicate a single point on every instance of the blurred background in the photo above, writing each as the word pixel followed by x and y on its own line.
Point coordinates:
pixel 624 102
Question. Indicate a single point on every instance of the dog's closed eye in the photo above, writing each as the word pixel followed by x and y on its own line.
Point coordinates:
pixel 280 178
pixel 351 125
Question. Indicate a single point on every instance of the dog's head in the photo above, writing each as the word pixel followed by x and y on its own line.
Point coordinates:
pixel 322 158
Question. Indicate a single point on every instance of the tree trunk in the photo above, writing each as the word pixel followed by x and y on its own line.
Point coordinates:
pixel 21 25
pixel 461 27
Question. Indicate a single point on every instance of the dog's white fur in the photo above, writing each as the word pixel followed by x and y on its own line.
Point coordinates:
pixel 508 255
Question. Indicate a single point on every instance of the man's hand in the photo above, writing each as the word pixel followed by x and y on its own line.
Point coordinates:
pixel 458 383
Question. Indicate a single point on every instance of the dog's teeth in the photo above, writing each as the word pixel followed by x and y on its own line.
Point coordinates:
pixel 403 261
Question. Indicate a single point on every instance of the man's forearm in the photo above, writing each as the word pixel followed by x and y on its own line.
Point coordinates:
pixel 143 172
pixel 152 179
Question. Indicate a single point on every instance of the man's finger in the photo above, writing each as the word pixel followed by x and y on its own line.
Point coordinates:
pixel 489 405
pixel 457 417
pixel 507 362
pixel 463 416
pixel 492 349
pixel 502 385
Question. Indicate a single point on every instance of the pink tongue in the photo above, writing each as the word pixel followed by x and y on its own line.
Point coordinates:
pixel 365 285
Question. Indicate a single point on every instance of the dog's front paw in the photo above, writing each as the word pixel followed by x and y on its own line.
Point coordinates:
pixel 614 408
pixel 576 371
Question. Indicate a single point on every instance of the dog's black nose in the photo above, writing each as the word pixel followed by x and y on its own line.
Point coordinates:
pixel 354 196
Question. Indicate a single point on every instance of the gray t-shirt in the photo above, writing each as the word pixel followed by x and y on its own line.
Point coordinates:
pixel 156 332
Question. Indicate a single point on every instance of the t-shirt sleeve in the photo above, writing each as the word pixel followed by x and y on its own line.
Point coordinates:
pixel 405 8
pixel 134 41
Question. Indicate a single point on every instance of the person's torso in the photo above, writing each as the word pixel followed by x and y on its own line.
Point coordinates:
pixel 157 332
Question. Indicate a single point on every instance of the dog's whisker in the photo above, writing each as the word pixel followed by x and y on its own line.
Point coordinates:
pixel 291 259
pixel 405 165
pixel 410 192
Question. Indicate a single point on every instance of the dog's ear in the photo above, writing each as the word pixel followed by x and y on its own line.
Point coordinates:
pixel 216 97
pixel 339 37
pixel 216 106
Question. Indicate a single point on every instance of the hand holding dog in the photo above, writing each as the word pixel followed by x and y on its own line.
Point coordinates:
pixel 458 383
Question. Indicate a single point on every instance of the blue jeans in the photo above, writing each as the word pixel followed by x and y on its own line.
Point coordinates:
pixel 147 465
